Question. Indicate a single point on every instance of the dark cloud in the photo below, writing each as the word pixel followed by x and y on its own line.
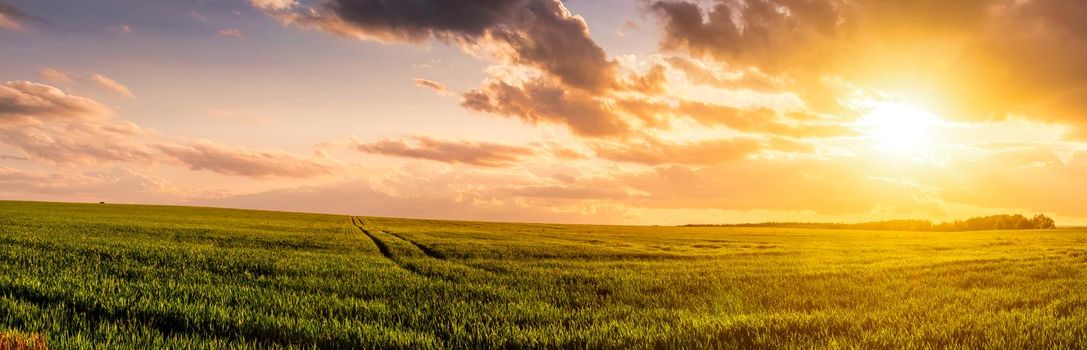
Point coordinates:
pixel 421 20
pixel 971 59
pixel 536 101
pixel 749 33
pixel 204 155
pixel 472 153
pixel 14 19
pixel 1032 60
pixel 607 116
pixel 536 33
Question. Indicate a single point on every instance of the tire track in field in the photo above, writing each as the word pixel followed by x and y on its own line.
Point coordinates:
pixel 400 259
pixel 387 252
pixel 426 250
pixel 384 249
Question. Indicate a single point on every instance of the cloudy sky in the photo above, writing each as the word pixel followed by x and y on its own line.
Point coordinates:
pixel 585 111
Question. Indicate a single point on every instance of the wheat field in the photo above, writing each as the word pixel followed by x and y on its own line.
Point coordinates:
pixel 119 276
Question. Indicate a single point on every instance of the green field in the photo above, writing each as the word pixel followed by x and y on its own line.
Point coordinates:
pixel 115 276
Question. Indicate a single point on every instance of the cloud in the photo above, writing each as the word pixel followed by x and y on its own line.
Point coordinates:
pixel 56 76
pixel 968 60
pixel 824 187
pixel 49 125
pixel 761 33
pixel 423 193
pixel 703 73
pixel 759 120
pixel 12 18
pixel 1029 177
pixel 537 101
pixel 538 33
pixel 112 85
pixel 569 192
pixel 232 33
pixel 24 101
pixel 79 142
pixel 654 152
pixel 433 85
pixel 205 155
pixel 119 184
pixel 561 151
pixel 273 4
pixel 455 152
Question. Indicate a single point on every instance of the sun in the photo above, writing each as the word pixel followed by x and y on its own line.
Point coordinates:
pixel 899 127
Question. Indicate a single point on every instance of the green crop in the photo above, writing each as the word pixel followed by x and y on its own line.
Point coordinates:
pixel 118 276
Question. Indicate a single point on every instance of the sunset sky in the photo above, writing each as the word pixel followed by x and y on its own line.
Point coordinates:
pixel 583 111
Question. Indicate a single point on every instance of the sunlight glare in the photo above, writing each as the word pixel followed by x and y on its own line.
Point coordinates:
pixel 899 128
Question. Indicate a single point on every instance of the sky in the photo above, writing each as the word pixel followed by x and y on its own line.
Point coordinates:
pixel 580 111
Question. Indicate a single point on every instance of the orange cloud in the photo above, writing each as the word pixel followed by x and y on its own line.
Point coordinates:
pixel 111 85
pixel 969 60
pixel 56 76
pixel 232 33
pixel 80 142
pixel 471 153
pixel 828 188
pixel 448 194
pixel 206 155
pixel 119 184
pixel 653 152
pixel 433 85
pixel 28 102
pixel 50 125
pixel 700 73
pixel 759 120
pixel 1029 177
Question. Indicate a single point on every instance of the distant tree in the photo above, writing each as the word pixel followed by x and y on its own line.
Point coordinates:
pixel 1043 222
pixel 1024 224
pixel 992 222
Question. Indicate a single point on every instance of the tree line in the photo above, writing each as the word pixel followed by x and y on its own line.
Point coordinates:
pixel 992 222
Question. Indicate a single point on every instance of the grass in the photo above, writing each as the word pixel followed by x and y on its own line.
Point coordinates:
pixel 116 276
